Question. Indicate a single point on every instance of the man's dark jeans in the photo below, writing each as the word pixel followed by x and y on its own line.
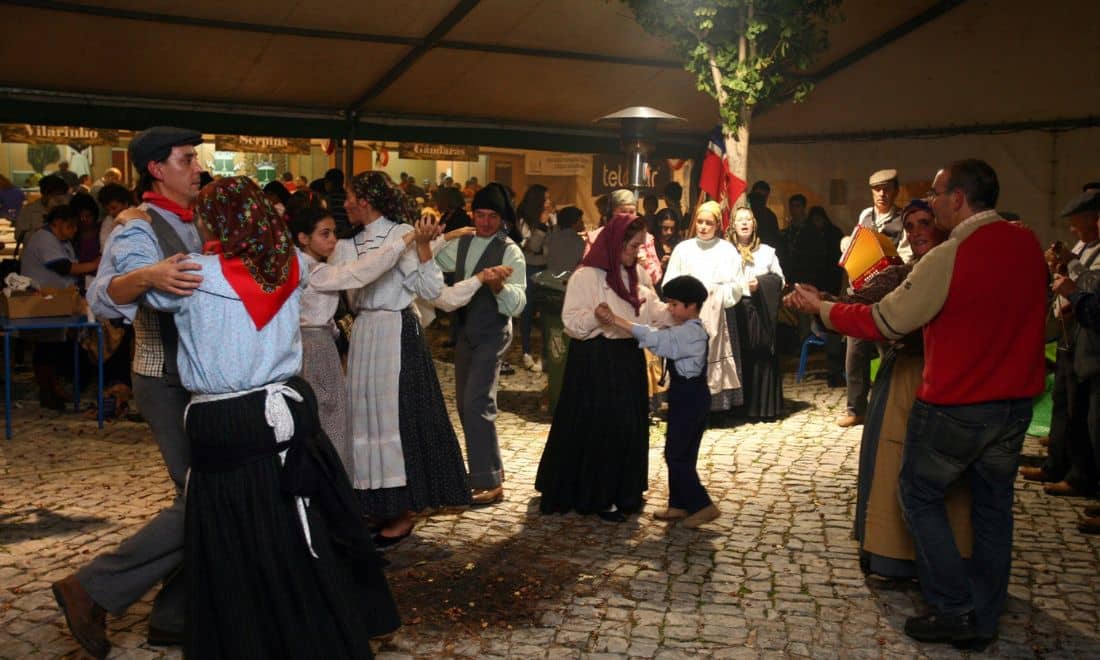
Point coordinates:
pixel 980 443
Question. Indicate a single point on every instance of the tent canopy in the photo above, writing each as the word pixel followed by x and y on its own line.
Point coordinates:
pixel 526 73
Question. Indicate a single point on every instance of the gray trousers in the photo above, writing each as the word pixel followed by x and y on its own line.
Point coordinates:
pixel 477 375
pixel 117 579
pixel 857 364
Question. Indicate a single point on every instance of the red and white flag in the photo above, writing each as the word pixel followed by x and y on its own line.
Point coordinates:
pixel 716 177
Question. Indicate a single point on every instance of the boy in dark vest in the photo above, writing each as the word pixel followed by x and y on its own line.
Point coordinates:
pixel 484 332
pixel 684 347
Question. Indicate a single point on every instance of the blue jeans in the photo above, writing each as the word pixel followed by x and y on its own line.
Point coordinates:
pixel 981 443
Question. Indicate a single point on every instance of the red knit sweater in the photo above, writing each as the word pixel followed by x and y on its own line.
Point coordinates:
pixel 985 343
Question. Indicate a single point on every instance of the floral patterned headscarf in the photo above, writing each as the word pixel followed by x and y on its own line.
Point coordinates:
pixel 247 226
pixel 386 198
pixel 253 245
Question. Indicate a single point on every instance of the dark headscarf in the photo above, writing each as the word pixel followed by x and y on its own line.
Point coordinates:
pixel 606 253
pixel 386 198
pixel 237 212
pixel 916 205
pixel 257 256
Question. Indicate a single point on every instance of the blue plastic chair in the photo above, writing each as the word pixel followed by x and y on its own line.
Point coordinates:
pixel 811 340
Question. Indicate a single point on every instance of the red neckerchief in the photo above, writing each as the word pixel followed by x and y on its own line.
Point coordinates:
pixel 185 213
pixel 261 305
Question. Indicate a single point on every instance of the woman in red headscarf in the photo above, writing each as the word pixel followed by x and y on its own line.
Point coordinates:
pixel 596 457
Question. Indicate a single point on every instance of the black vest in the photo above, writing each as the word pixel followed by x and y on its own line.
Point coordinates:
pixel 163 323
pixel 479 320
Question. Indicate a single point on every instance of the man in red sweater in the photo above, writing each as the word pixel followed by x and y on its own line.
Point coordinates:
pixel 980 297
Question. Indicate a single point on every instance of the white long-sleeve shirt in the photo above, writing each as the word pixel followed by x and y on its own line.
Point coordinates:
pixel 715 263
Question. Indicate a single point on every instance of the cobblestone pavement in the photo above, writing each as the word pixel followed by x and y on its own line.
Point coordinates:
pixel 776 576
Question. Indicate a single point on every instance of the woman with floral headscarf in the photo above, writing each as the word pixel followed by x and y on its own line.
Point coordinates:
pixel 405 454
pixel 596 458
pixel 280 562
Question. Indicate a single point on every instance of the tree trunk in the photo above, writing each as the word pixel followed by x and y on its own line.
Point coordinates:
pixel 737 152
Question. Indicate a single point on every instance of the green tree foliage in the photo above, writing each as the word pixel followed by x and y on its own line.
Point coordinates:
pixel 41 155
pixel 745 54
pixel 742 52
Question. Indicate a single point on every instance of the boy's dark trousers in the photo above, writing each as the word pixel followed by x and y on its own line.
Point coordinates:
pixel 688 405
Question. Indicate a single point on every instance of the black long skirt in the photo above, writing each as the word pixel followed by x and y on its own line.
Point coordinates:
pixel 254 589
pixel 761 378
pixel 435 473
pixel 597 453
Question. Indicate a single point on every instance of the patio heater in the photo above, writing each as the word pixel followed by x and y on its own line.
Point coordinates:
pixel 637 135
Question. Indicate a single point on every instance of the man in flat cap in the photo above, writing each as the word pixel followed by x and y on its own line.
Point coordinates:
pixel 1069 431
pixel 168 167
pixel 885 218
pixel 1079 284
pixel 484 332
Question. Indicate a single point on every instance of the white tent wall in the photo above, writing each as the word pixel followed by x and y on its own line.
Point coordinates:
pixel 1039 171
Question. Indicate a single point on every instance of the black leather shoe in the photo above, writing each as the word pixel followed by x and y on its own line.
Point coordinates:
pixel 612 516
pixel 158 637
pixel 934 628
pixel 382 542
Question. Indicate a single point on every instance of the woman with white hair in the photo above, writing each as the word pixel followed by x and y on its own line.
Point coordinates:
pixel 709 258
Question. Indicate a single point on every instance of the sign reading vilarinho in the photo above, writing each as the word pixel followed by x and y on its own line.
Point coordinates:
pixel 263 145
pixel 425 151
pixel 42 134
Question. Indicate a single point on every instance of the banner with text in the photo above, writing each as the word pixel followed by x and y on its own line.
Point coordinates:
pixel 611 172
pixel 425 151
pixel 555 164
pixel 76 136
pixel 263 145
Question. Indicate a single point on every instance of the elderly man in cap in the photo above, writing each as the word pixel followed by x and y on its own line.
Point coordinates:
pixel 980 297
pixel 1082 291
pixel 168 167
pixel 1069 454
pixel 484 332
pixel 884 217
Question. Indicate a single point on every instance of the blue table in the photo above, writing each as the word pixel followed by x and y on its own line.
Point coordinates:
pixel 8 326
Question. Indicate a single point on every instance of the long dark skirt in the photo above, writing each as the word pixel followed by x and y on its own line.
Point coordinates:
pixel 868 453
pixel 597 453
pixel 885 544
pixel 435 473
pixel 254 590
pixel 761 378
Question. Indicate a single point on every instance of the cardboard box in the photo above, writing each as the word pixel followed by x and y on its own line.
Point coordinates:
pixel 47 302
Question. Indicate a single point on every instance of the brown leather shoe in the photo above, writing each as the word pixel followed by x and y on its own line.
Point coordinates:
pixel 671 513
pixel 1063 489
pixel 87 621
pixel 848 421
pixel 702 516
pixel 1089 525
pixel 1035 474
pixel 485 496
pixel 1092 511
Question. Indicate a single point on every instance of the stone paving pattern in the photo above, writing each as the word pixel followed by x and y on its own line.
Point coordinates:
pixel 776 576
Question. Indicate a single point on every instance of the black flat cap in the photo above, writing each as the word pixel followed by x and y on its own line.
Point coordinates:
pixel 1083 203
pixel 156 142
